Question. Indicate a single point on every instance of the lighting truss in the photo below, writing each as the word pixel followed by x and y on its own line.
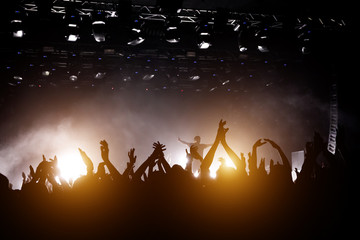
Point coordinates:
pixel 191 16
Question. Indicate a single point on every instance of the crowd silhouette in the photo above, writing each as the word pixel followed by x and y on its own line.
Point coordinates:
pixel 159 201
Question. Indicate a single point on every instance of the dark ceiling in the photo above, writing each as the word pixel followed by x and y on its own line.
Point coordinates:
pixel 43 58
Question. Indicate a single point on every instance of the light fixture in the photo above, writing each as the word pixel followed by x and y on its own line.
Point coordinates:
pixel 304 39
pixel 136 41
pixel 17 25
pixel 172 34
pixel 136 36
pixel 194 78
pixel 148 77
pixel 73 78
pixel 261 36
pixel 204 35
pixel 72 20
pixel 99 31
pixel 99 26
pixel 45 73
pixel 100 75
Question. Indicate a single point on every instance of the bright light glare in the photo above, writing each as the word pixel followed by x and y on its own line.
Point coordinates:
pixel 71 165
pixel 204 45
pixel 216 164
pixel 18 34
pixel 212 174
pixel 229 163
pixel 136 41
pixel 72 38
pixel 182 161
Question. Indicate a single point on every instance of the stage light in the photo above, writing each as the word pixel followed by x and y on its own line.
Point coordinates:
pixel 304 39
pixel 17 28
pixel 45 73
pixel 136 41
pixel 172 34
pixel 71 165
pixel 263 49
pixel 100 75
pixel 99 26
pixel 18 78
pixel 243 39
pixel 261 38
pixel 204 45
pixel 72 20
pixel 194 78
pixel 242 48
pixel 99 31
pixel 17 24
pixel 18 34
pixel 73 78
pixel 204 35
pixel 225 82
pixel 136 36
pixel 148 77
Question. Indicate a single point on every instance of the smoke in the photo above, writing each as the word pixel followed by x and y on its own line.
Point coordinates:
pixel 52 122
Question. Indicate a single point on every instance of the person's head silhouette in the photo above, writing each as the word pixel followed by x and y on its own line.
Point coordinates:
pixel 197 139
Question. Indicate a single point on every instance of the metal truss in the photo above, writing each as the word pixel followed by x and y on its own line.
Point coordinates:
pixel 191 16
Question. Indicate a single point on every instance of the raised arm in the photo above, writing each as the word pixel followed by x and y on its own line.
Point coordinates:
pixel 182 141
pixel 207 145
pixel 282 154
pixel 158 149
pixel 129 171
pixel 253 156
pixel 89 164
pixel 141 170
pixel 206 163
pixel 105 156
pixel 239 163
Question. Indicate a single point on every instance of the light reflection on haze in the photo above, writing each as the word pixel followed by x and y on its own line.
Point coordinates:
pixel 52 124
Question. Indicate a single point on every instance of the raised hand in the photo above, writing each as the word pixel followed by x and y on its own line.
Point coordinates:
pixel 24 177
pixel 258 143
pixel 221 131
pixel 132 156
pixel 104 148
pixel 206 163
pixel 158 149
pixel 89 164
pixel 32 173
pixel 129 171
pixel 284 159
pixel 273 144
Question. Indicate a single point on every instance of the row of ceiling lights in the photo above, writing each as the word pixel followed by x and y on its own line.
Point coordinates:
pixel 204 31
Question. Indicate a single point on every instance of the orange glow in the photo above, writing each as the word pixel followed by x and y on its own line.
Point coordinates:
pixel 71 165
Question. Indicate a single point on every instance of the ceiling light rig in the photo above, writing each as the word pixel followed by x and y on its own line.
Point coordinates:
pixel 136 33
pixel 172 32
pixel 99 25
pixel 304 38
pixel 204 38
pixel 17 24
pixel 178 28
pixel 72 21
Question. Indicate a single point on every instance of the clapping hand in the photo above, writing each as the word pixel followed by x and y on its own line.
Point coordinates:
pixel 159 149
pixel 104 148
pixel 132 157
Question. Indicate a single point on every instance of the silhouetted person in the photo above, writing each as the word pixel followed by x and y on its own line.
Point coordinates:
pixel 200 146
